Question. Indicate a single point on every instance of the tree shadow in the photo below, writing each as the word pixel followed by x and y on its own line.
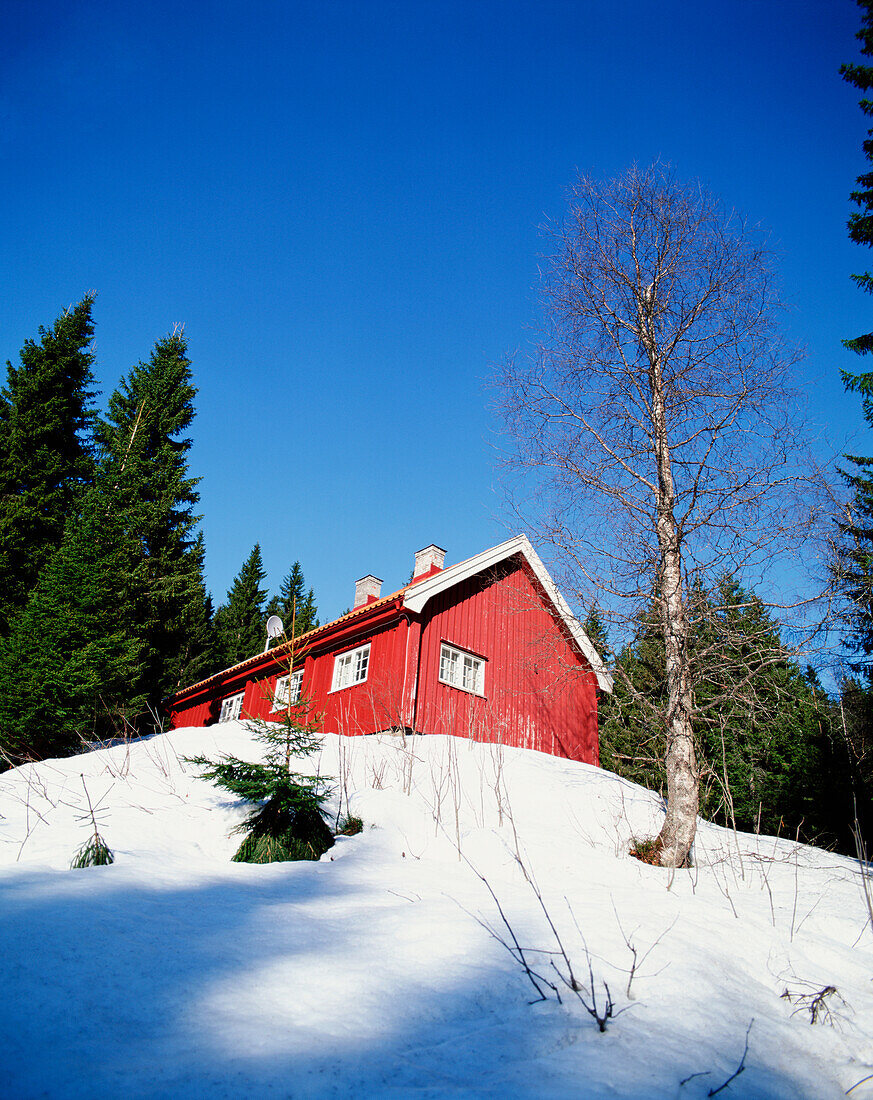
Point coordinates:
pixel 292 980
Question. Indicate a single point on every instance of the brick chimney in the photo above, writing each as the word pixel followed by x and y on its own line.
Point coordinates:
pixel 427 561
pixel 367 589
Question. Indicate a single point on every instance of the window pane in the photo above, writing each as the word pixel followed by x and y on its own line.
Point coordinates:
pixel 449 665
pixel 462 670
pixel 231 708
pixel 294 684
pixel 469 674
pixel 280 695
pixel 351 668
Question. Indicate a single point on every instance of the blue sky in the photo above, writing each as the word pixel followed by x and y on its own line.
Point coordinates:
pixel 341 203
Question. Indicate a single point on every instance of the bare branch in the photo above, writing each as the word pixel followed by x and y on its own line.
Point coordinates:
pixel 655 439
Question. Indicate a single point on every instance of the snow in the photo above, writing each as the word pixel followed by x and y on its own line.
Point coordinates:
pixel 372 973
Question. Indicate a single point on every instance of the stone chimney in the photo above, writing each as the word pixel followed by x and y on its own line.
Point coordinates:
pixel 367 589
pixel 427 561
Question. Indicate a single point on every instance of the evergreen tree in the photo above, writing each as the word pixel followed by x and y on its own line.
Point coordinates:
pixel 240 623
pixel 770 758
pixel 66 670
pixel 861 222
pixel 95 852
pixel 289 824
pixel 632 741
pixel 145 477
pixel 197 655
pixel 852 566
pixel 294 605
pixel 45 450
pixel 853 563
pixel 595 629
pixel 854 717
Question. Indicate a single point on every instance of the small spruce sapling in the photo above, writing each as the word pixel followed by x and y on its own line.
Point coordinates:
pixel 289 822
pixel 95 851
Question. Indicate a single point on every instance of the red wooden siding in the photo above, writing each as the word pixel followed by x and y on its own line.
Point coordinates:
pixel 372 705
pixel 538 692
pixel 197 714
pixel 381 702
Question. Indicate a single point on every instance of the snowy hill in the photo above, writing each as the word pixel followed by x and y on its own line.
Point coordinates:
pixel 371 973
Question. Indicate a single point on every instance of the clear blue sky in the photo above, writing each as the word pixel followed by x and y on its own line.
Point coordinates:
pixel 341 202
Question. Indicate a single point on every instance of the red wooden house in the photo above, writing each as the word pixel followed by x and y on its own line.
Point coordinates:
pixel 486 649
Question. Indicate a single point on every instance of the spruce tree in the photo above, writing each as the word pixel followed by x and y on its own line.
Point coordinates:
pixel 240 623
pixel 769 756
pixel 861 221
pixel 144 471
pixel 853 563
pixel 95 852
pixel 69 670
pixel 632 741
pixel 288 821
pixel 45 450
pixel 294 605
pixel 198 647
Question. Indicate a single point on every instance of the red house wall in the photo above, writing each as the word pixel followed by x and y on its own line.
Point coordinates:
pixel 203 708
pixel 373 705
pixel 193 714
pixel 538 692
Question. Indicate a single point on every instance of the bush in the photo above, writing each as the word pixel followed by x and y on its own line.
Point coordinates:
pixel 93 853
pixel 646 850
pixel 350 826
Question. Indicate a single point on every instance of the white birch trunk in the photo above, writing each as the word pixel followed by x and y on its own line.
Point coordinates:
pixel 680 823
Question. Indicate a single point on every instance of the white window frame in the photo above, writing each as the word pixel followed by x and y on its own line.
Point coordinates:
pixel 351 668
pixel 231 707
pixel 461 669
pixel 282 695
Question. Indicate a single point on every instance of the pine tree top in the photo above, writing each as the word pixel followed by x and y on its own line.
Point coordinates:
pixel 240 622
pixel 295 605
pixel 46 449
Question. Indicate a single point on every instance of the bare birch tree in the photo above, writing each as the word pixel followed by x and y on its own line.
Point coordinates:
pixel 653 426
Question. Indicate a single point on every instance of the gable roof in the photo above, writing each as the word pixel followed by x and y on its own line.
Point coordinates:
pixel 417 593
pixel 415 596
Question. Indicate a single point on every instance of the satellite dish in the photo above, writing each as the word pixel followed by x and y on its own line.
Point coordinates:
pixel 275 627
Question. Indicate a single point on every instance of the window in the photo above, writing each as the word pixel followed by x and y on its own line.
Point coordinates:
pixel 462 670
pixel 287 691
pixel 351 668
pixel 231 708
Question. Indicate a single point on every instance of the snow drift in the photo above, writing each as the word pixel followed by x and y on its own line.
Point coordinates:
pixel 377 971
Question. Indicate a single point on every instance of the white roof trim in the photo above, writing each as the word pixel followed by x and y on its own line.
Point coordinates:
pixel 419 593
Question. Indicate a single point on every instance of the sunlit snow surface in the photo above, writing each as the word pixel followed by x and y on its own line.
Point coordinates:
pixel 175 972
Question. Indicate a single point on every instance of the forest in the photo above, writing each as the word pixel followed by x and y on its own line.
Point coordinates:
pixel 104 610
